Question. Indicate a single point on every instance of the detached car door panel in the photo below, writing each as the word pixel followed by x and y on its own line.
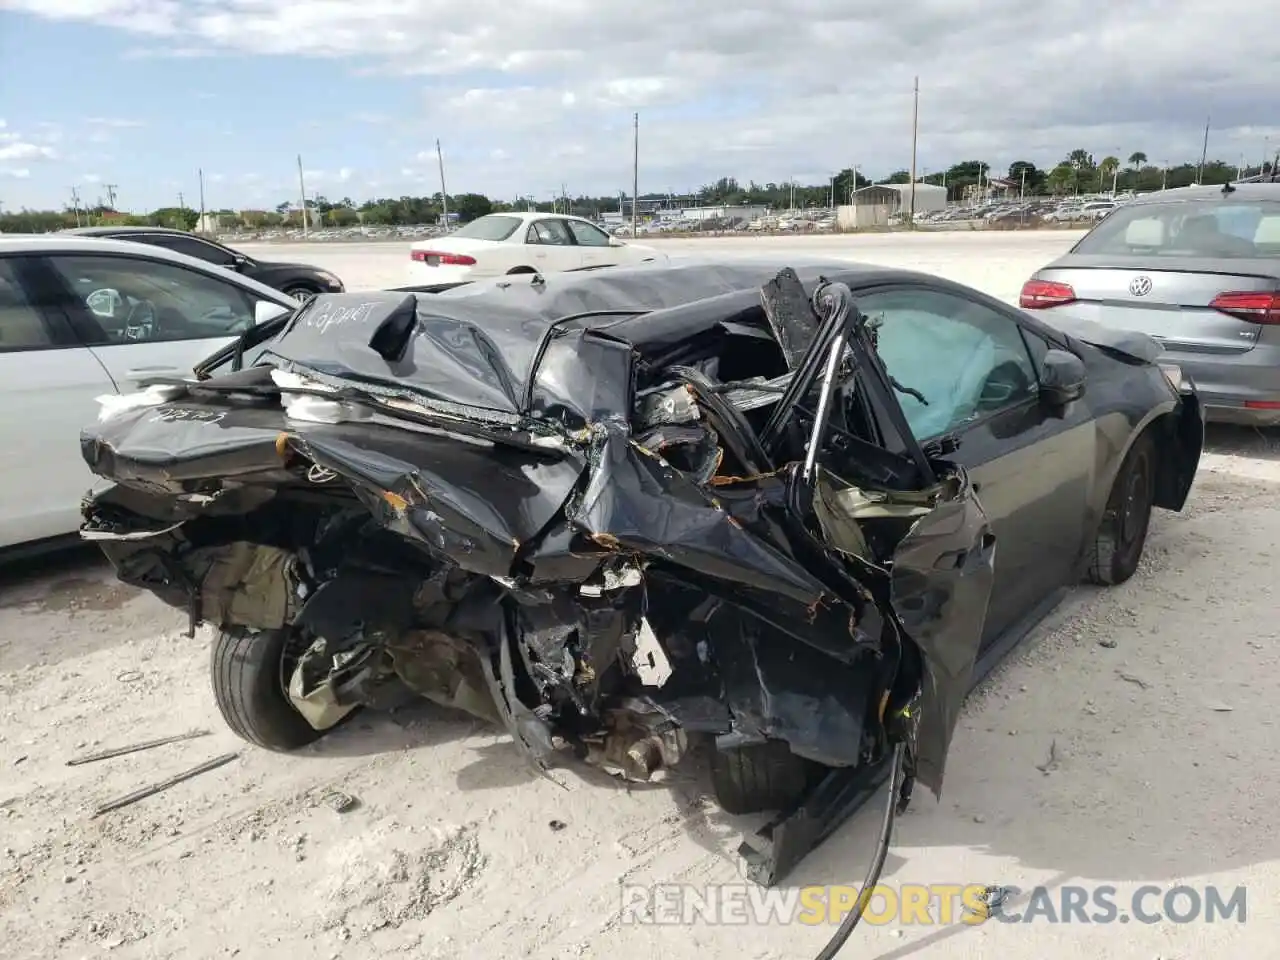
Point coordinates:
pixel 145 318
pixel 967 374
pixel 49 385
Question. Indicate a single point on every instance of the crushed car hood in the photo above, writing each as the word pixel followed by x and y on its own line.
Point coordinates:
pixel 477 345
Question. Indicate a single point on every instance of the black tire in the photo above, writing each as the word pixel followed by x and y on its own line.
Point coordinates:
pixel 300 291
pixel 515 270
pixel 1122 534
pixel 247 670
pixel 766 776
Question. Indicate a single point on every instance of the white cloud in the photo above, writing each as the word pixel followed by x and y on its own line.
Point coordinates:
pixel 18 173
pixel 115 123
pixel 91 178
pixel 318 177
pixel 19 150
pixel 762 91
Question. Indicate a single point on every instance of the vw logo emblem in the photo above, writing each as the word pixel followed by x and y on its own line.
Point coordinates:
pixel 1140 286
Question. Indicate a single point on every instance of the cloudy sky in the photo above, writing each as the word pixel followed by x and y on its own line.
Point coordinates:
pixel 527 95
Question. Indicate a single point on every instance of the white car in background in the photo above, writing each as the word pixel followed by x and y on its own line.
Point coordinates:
pixel 80 318
pixel 505 243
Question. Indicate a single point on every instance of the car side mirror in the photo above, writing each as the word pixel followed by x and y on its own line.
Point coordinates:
pixel 105 302
pixel 265 310
pixel 240 263
pixel 1062 378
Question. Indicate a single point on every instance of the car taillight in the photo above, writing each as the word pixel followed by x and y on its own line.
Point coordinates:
pixel 435 258
pixel 1254 307
pixel 1038 294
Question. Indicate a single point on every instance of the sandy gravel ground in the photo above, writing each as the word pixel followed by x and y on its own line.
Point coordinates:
pixel 1131 743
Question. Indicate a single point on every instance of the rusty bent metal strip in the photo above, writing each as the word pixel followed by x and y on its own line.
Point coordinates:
pixel 608 511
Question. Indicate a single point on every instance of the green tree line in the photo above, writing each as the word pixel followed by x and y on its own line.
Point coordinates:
pixel 1078 172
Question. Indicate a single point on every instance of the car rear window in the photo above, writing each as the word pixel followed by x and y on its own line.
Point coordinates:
pixel 493 227
pixel 1215 229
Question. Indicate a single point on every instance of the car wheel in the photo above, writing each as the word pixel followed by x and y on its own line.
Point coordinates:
pixel 765 776
pixel 1117 548
pixel 300 291
pixel 249 671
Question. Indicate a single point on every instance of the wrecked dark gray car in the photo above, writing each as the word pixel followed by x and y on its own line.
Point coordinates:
pixel 794 512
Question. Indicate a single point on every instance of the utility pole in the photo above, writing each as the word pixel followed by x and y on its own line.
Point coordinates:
pixel 635 174
pixel 915 132
pixel 200 226
pixel 302 195
pixel 1204 151
pixel 1022 190
pixel 111 195
pixel 75 204
pixel 444 193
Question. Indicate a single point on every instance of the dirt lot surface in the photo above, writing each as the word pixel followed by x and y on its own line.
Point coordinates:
pixel 1130 742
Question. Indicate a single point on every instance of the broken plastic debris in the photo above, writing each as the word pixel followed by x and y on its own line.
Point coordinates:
pixel 111 404
pixel 650 661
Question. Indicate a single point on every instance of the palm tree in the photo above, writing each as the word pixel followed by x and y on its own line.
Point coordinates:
pixel 1079 160
pixel 1109 167
pixel 1137 159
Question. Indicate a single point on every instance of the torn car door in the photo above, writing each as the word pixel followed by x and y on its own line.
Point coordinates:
pixel 931 541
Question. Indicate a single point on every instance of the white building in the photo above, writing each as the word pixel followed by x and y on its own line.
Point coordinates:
pixel 724 212
pixel 874 206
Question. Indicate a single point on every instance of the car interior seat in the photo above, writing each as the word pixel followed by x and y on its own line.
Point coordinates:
pixel 20 324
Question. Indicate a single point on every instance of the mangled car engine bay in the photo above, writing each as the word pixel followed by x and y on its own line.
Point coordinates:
pixel 614 514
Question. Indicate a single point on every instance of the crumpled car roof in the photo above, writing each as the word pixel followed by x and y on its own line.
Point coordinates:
pixel 485 340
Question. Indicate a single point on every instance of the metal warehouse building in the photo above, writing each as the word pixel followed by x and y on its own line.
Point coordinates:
pixel 873 206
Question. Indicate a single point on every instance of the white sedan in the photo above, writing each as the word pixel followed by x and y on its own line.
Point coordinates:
pixel 505 243
pixel 80 318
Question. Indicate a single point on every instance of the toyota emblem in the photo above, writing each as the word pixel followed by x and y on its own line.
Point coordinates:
pixel 1140 286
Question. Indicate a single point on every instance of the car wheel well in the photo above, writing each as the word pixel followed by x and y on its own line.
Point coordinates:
pixel 515 270
pixel 1179 439
pixel 1119 540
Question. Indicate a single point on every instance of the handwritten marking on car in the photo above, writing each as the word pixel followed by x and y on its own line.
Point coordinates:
pixel 329 314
